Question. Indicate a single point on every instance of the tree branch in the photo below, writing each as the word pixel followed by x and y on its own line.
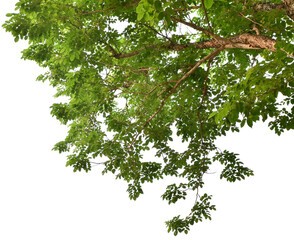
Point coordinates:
pixel 206 16
pixel 154 30
pixel 287 5
pixel 185 9
pixel 242 41
pixel 192 25
pixel 208 57
pixel 267 7
pixel 254 22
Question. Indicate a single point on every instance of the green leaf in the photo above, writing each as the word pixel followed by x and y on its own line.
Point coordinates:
pixel 208 3
pixel 169 11
pixel 147 16
pixel 72 57
pixel 158 6
pixel 140 8
pixel 249 122
pixel 140 15
pixel 243 123
pixel 212 114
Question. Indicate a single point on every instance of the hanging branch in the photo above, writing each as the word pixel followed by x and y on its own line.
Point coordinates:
pixel 208 57
pixel 201 124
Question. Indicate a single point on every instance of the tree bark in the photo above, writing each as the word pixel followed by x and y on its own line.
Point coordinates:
pixel 287 5
pixel 245 41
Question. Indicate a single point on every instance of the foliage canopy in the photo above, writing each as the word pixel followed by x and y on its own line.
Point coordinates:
pixel 135 71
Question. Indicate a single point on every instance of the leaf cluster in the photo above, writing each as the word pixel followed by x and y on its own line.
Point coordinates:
pixel 136 73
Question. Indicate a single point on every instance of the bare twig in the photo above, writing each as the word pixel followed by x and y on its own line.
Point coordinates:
pixel 197 195
pixel 97 163
pixel 243 41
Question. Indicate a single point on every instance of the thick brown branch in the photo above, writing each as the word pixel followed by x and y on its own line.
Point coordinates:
pixel 243 41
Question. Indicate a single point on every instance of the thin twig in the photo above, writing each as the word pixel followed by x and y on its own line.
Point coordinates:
pixel 206 16
pixel 205 83
pixel 273 89
pixel 99 23
pixel 154 30
pixel 257 23
pixel 122 67
pixel 192 25
pixel 185 9
pixel 197 195
pixel 200 121
pixel 209 56
pixel 97 163
pixel 151 91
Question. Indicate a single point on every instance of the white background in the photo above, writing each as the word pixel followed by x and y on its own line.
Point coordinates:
pixel 42 199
